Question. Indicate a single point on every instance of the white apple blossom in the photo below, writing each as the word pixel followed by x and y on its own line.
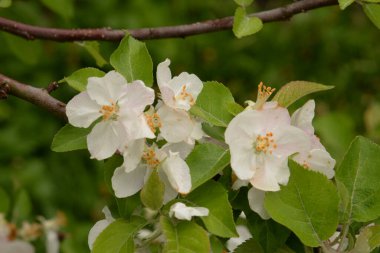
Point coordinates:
pixel 8 244
pixel 129 178
pixel 183 212
pixel 261 140
pixel 51 229
pixel 316 157
pixel 99 227
pixel 234 242
pixel 120 106
pixel 256 202
pixel 179 92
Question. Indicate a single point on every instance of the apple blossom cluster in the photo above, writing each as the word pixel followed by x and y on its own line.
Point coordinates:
pixel 263 137
pixel 14 239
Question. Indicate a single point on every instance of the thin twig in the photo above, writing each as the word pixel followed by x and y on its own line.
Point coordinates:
pixel 56 34
pixel 37 96
pixel 4 90
pixel 52 87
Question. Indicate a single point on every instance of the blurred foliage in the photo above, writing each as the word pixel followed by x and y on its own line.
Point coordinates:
pixel 326 46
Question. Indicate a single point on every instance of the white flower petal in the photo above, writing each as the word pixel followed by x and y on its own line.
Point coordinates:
pixel 107 214
pixel 183 148
pixel 176 126
pixel 126 184
pixel 197 132
pixel 82 111
pixel 270 173
pixel 178 173
pixel 290 140
pixel 107 89
pixel 105 138
pixel 52 242
pixel 243 161
pixel 318 160
pixel 303 117
pixel 183 212
pixel 132 153
pixel 169 193
pixel 95 231
pixel 164 74
pixel 136 126
pixel 16 246
pixel 234 242
pixel 239 183
pixel 193 84
pixel 256 202
pixel 136 97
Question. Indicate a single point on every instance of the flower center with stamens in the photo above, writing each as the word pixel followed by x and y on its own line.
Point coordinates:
pixel 109 111
pixel 265 144
pixel 185 96
pixel 149 156
pixel 153 121
pixel 263 94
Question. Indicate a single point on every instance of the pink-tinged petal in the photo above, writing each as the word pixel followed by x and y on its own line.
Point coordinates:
pixel 178 173
pixel 176 125
pixel 303 117
pixel 270 173
pixel 96 230
pixel 126 184
pixel 243 161
pixel 136 97
pixel 107 89
pixel 182 148
pixel 136 126
pixel 105 138
pixel 270 118
pixel 290 140
pixel 317 160
pixel 82 111
pixel 256 202
pixel 132 153
pixel 169 193
pixel 243 128
pixel 164 74
pixel 16 246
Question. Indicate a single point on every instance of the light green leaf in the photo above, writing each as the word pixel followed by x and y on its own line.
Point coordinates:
pixel 184 237
pixel 291 92
pixel 5 3
pixel 212 104
pixel 133 61
pixel 205 161
pixel 244 25
pixel 152 194
pixel 70 138
pixel 215 132
pixel 244 2
pixel 373 13
pixel 249 246
pixel 308 205
pixel 4 202
pixel 92 47
pixel 374 238
pixel 343 4
pixel 216 245
pixel 22 207
pixel 220 221
pixel 234 108
pixel 118 236
pixel 79 79
pixel 21 48
pixel 64 8
pixel 358 179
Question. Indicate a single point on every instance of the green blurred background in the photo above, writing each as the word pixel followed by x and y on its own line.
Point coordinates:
pixel 326 46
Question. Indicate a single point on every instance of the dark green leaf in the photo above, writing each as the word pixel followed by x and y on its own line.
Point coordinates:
pixel 22 207
pixel 93 49
pixel 373 13
pixel 4 202
pixel 343 4
pixel 64 8
pixel 249 246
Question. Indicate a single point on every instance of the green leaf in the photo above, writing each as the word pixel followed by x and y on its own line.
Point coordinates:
pixel 92 47
pixel 70 138
pixel 358 179
pixel 22 207
pixel 249 246
pixel 79 79
pixel 220 220
pixel 245 25
pixel 214 132
pixel 118 236
pixel 373 13
pixel 291 92
pixel 234 108
pixel 216 245
pixel 343 4
pixel 308 205
pixel 133 61
pixel 205 161
pixel 244 2
pixel 152 194
pixel 21 48
pixel 5 3
pixel 374 238
pixel 64 8
pixel 212 104
pixel 184 237
pixel 4 202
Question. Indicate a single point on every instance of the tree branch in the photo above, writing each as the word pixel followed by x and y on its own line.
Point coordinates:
pixel 37 96
pixel 35 32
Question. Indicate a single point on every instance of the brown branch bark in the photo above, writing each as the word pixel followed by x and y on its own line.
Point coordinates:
pixel 37 96
pixel 56 34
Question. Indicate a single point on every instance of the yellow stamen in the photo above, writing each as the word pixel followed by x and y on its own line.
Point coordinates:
pixel 153 121
pixel 109 111
pixel 263 94
pixel 150 158
pixel 265 144
pixel 184 95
